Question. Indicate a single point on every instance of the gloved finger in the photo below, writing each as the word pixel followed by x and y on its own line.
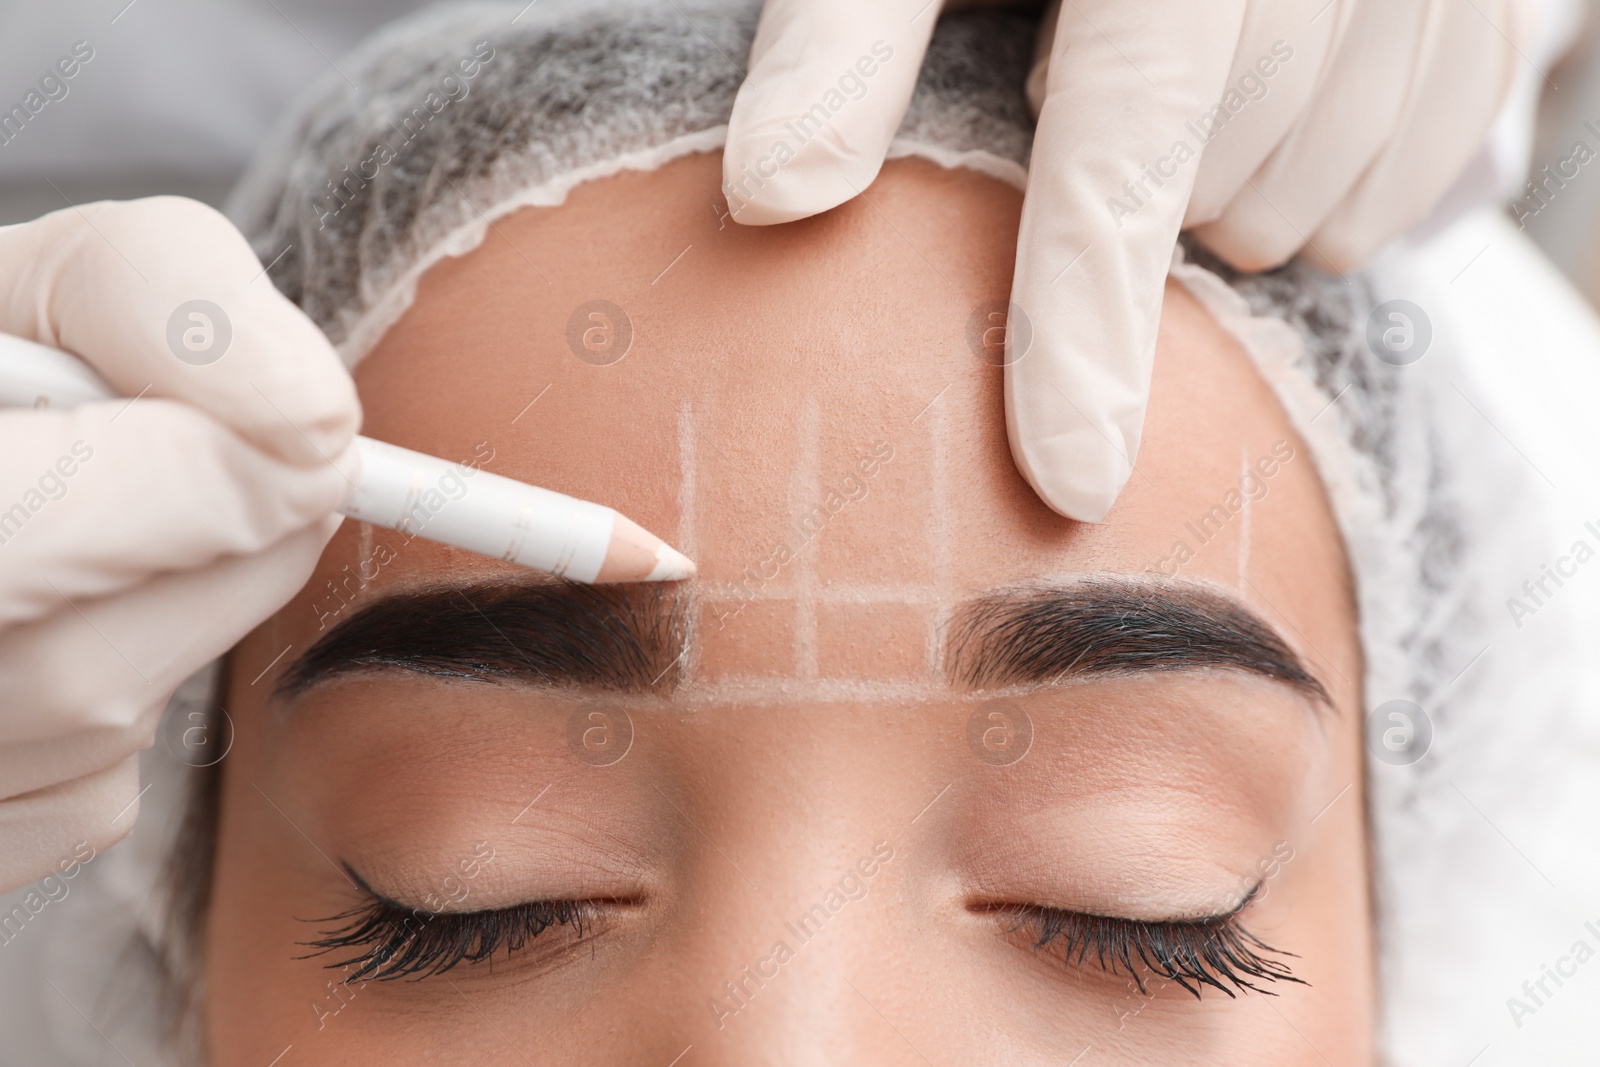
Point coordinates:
pixel 1350 118
pixel 86 686
pixel 96 499
pixel 1462 72
pixel 828 86
pixel 1277 67
pixel 165 298
pixel 1094 247
pixel 57 830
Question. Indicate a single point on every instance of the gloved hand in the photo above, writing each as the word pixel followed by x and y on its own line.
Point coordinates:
pixel 1269 126
pixel 141 538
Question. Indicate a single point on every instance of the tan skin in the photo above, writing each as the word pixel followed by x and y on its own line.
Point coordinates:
pixel 816 732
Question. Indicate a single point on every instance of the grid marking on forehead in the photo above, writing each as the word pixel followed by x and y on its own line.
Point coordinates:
pixel 754 691
pixel 805 488
pixel 827 592
pixel 811 590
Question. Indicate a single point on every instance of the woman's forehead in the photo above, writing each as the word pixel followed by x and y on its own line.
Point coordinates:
pixel 813 412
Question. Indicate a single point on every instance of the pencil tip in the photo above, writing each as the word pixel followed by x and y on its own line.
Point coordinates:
pixel 671 565
pixel 637 555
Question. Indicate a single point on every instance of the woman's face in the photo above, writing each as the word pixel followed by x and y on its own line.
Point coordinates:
pixel 914 771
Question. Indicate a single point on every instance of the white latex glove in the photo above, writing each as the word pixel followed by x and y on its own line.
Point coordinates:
pixel 141 539
pixel 1348 120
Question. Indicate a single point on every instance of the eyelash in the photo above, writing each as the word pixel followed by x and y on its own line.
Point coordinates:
pixel 1192 954
pixel 436 941
pixel 1204 952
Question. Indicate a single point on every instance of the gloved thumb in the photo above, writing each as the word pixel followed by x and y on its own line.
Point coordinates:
pixel 828 86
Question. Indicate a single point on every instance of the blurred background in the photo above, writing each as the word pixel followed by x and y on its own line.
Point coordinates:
pixel 175 98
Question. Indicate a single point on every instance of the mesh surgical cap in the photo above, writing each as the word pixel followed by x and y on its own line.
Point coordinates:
pixel 449 120
pixel 570 92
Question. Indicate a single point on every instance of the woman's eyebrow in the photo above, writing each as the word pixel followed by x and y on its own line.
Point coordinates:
pixel 544 632
pixel 632 638
pixel 1037 634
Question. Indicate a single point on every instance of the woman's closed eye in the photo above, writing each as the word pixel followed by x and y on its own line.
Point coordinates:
pixel 383 940
pixel 387 941
pixel 1214 951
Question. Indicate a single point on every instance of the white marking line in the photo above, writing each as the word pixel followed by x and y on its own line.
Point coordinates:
pixel 943 550
pixel 932 802
pixel 130 804
pixel 768 691
pixel 1330 803
pixel 808 482
pixel 930 403
pixel 530 403
pixel 688 486
pixel 680 1055
pixel 280 1056
pixel 531 803
pixel 129 404
pixel 121 13
pixel 530 3
pixel 1081 1055
pixel 674 263
pixel 273 664
pixel 827 593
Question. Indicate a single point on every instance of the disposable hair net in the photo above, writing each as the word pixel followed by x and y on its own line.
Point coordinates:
pixel 449 120
pixel 572 92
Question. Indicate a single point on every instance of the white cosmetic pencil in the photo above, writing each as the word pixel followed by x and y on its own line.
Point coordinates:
pixel 493 516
